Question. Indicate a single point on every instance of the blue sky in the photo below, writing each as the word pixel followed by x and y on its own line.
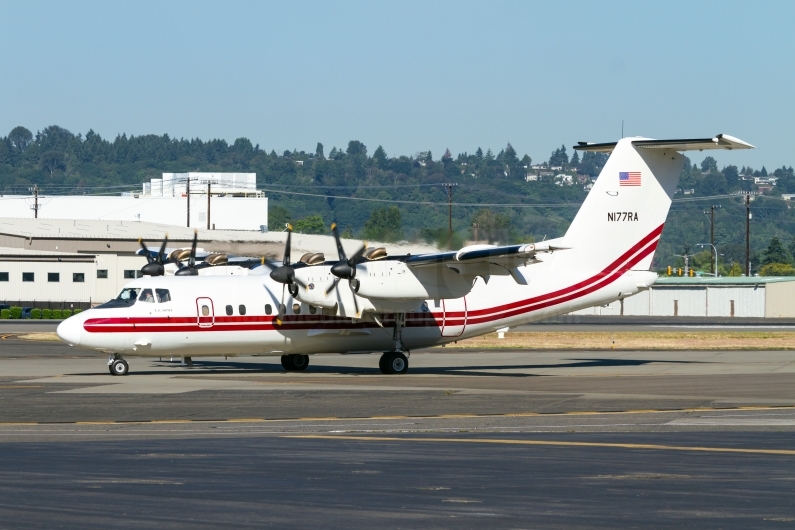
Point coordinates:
pixel 410 76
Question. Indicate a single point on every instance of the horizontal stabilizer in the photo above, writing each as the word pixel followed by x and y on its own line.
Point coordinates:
pixel 721 141
pixel 487 253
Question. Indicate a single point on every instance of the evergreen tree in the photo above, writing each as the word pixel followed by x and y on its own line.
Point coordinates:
pixel 776 253
pixel 384 225
pixel 319 151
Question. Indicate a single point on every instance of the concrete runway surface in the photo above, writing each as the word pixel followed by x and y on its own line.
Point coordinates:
pixel 464 440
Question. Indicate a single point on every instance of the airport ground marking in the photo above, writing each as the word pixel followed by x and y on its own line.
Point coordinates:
pixel 554 443
pixel 401 417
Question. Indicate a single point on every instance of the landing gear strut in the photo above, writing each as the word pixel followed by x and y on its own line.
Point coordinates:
pixel 396 362
pixel 295 362
pixel 117 365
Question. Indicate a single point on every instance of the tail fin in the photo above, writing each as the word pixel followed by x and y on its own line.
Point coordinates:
pixel 625 211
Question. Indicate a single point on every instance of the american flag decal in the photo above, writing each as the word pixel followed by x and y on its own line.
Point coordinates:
pixel 629 178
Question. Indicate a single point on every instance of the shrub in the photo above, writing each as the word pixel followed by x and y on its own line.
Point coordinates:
pixel 5 313
pixel 46 313
pixel 16 311
pixel 76 311
pixel 57 314
pixel 35 313
pixel 66 313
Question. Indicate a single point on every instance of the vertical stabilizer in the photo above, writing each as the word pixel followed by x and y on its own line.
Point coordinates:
pixel 627 206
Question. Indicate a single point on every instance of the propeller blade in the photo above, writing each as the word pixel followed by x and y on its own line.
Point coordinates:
pixel 299 282
pixel 356 258
pixel 332 286
pixel 161 255
pixel 149 258
pixel 192 259
pixel 355 303
pixel 340 250
pixel 287 246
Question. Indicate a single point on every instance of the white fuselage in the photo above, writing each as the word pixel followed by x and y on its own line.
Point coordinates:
pixel 242 311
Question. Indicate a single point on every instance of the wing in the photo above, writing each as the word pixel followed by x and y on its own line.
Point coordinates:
pixel 486 260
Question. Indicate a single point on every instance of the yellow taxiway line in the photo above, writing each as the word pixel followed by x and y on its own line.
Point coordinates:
pixel 405 417
pixel 555 443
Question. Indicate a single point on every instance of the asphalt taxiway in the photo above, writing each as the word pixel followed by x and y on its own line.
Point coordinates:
pixel 496 439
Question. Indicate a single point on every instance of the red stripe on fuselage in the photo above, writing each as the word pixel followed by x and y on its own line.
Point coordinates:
pixel 605 277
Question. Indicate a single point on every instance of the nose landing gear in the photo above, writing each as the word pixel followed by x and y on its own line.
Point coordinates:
pixel 117 365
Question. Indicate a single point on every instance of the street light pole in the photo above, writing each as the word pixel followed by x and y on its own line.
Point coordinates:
pixel 715 250
pixel 714 265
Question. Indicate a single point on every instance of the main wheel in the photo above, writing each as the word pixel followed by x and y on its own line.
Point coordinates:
pixel 382 363
pixel 397 363
pixel 119 367
pixel 295 362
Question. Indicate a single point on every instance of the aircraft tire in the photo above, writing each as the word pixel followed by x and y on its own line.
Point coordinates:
pixel 295 362
pixel 119 367
pixel 396 363
pixel 382 363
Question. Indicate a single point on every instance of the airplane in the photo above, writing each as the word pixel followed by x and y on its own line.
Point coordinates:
pixel 372 302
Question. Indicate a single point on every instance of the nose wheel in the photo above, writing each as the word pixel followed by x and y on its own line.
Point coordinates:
pixel 117 365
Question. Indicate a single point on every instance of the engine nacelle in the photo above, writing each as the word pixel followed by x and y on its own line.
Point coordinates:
pixel 394 280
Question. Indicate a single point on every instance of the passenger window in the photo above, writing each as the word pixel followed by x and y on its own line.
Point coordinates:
pixel 162 295
pixel 205 311
pixel 297 309
pixel 312 309
pixel 268 309
pixel 147 296
pixel 229 310
pixel 241 309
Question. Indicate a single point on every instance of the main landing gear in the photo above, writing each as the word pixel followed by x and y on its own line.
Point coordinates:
pixel 117 365
pixel 393 362
pixel 295 362
pixel 396 362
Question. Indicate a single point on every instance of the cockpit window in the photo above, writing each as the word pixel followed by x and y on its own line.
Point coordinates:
pixel 130 294
pixel 162 295
pixel 147 296
pixel 126 298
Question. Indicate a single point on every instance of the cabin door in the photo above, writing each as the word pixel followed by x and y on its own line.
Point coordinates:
pixel 205 312
pixel 455 317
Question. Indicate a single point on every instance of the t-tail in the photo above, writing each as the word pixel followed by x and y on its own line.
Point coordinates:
pixel 620 222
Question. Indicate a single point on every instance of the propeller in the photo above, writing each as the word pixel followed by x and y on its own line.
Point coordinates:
pixel 154 266
pixel 284 273
pixel 345 268
pixel 191 269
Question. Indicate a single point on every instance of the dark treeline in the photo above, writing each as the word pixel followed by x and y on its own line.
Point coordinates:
pixel 61 162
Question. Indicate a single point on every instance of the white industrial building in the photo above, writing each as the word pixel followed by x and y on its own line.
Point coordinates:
pixel 235 203
pixel 756 296
pixel 80 263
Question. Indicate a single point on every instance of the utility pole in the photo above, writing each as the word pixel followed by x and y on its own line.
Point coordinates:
pixel 449 187
pixel 748 235
pixel 187 194
pixel 686 257
pixel 35 190
pixel 209 193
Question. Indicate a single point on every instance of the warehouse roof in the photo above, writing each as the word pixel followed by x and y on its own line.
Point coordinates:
pixel 722 280
pixel 8 251
pixel 153 233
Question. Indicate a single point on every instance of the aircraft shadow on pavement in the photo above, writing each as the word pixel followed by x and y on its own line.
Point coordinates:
pixel 247 368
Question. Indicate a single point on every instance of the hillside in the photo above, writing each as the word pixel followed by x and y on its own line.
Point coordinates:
pixel 508 197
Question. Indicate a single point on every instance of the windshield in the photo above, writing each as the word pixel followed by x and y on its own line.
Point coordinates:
pixel 126 298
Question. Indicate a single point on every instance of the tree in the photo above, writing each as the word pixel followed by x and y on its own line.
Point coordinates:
pixel 319 151
pixel 479 154
pixel 490 226
pixel 356 148
pixel 510 155
pixel 20 137
pixel 384 225
pixel 575 160
pixel 278 216
pixel 776 253
pixel 379 156
pixel 709 165
pixel 313 224
pixel 731 175
pixel 52 160
pixel 559 157
pixel 447 157
pixel 777 269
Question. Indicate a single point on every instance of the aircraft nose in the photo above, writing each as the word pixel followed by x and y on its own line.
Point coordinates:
pixel 70 330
